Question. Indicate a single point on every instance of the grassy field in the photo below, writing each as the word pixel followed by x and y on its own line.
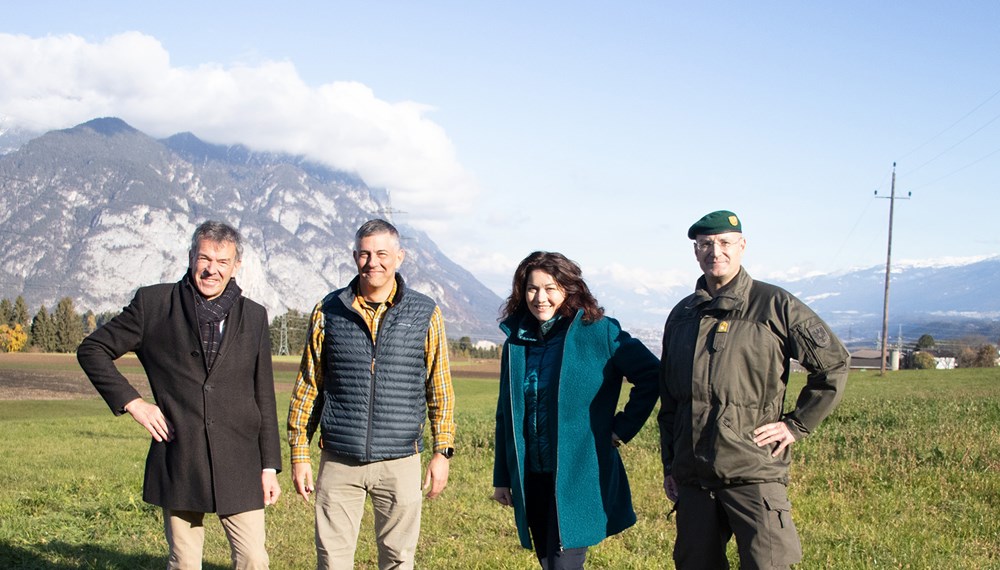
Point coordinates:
pixel 906 474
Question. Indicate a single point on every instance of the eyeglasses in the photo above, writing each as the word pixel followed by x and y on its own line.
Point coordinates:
pixel 709 245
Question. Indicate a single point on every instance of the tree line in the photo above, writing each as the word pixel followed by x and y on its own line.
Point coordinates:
pixel 289 331
pixel 58 331
pixel 968 352
pixel 62 329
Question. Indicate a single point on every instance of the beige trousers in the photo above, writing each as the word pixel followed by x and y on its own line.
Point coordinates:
pixel 185 532
pixel 341 488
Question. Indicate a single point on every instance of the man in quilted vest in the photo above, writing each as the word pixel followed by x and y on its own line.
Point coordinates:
pixel 374 370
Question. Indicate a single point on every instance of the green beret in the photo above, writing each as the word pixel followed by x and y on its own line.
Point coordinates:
pixel 719 222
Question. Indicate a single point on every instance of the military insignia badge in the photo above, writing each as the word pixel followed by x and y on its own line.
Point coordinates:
pixel 733 221
pixel 820 335
pixel 723 327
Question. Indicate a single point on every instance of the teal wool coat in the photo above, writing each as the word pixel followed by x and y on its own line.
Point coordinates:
pixel 593 499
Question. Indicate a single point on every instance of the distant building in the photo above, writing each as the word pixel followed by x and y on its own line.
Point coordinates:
pixel 485 345
pixel 866 359
pixel 944 362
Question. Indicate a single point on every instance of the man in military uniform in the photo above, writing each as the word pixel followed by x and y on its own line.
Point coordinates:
pixel 725 439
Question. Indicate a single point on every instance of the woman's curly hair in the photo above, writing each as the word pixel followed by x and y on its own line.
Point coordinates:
pixel 569 277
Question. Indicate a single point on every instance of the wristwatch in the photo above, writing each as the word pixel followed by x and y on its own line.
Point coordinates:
pixel 448 452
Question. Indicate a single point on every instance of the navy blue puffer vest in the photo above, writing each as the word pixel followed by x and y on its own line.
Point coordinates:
pixel 374 394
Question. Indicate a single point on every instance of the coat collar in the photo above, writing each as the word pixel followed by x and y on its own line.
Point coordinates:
pixel 732 297
pixel 232 322
pixel 352 290
pixel 523 326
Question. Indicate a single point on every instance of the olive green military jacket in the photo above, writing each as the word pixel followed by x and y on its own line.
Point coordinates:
pixel 724 372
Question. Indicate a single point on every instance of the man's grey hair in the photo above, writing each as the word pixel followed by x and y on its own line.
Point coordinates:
pixel 218 232
pixel 373 227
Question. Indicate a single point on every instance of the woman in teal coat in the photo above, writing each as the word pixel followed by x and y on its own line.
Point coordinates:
pixel 557 433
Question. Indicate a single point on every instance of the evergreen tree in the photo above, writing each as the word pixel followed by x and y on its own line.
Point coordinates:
pixel 21 316
pixel 925 342
pixel 43 331
pixel 68 326
pixel 103 317
pixel 6 312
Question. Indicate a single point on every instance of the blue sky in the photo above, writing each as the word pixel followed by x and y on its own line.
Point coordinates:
pixel 602 130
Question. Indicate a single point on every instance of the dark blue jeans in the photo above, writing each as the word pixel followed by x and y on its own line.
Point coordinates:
pixel 540 502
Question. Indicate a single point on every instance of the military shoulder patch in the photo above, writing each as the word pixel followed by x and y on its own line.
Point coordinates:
pixel 820 335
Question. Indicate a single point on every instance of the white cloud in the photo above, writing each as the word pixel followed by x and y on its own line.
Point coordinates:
pixel 819 297
pixel 491 268
pixel 643 282
pixel 60 81
pixel 937 263
pixel 793 274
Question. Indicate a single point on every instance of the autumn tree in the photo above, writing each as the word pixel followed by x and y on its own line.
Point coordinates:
pixel 924 361
pixel 15 314
pixel 983 356
pixel 12 338
pixel 89 322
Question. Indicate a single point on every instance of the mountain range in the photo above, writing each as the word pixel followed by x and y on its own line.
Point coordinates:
pixel 95 211
pixel 947 300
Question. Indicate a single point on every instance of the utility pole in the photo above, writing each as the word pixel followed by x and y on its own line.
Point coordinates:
pixel 888 265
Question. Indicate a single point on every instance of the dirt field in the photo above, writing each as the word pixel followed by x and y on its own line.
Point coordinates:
pixel 32 376
pixel 28 376
pixel 476 369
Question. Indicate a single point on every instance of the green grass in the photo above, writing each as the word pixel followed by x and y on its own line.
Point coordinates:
pixel 906 474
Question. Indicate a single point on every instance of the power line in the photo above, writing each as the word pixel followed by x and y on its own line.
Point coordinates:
pixel 951 126
pixel 957 170
pixel 857 222
pixel 945 151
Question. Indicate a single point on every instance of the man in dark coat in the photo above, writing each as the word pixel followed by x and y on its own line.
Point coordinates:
pixel 206 351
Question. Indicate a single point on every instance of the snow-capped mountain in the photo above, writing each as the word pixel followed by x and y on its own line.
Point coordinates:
pixel 95 211
pixel 946 300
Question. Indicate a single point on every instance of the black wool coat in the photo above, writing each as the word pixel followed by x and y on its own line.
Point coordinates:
pixel 225 421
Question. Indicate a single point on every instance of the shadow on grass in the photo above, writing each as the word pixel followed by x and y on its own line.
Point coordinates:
pixel 63 556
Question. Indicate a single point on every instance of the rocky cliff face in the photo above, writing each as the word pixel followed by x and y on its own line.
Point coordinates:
pixel 95 211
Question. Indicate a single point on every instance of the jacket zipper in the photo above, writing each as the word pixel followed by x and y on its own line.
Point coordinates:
pixel 371 390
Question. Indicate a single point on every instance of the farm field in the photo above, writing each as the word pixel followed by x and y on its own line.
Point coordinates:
pixel 906 474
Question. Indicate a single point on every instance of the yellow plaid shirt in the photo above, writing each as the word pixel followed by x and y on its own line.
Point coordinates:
pixel 303 418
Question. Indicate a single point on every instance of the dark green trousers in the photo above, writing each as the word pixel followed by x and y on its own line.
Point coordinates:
pixel 759 516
